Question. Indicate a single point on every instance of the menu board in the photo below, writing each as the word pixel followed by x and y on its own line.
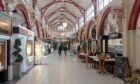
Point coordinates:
pixel 121 64
pixel 5 24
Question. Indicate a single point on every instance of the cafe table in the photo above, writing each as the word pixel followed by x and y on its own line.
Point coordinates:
pixel 96 60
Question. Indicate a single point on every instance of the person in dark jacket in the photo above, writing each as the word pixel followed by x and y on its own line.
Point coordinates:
pixel 60 49
pixel 65 49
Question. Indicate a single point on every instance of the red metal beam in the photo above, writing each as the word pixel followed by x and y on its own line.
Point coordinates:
pixel 68 1
pixel 1 6
pixel 57 13
pixel 61 18
pixel 62 10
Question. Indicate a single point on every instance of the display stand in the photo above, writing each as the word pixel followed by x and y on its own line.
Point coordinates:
pixel 38 51
pixel 26 37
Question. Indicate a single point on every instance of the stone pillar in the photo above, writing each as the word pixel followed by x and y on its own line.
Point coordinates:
pixel 132 48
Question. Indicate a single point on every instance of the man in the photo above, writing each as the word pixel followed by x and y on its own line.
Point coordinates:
pixel 65 49
pixel 59 49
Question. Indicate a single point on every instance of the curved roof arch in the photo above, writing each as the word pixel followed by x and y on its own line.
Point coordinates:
pixel 61 11
pixel 81 9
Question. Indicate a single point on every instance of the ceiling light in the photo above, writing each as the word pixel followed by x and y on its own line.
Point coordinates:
pixel 65 24
pixel 61 28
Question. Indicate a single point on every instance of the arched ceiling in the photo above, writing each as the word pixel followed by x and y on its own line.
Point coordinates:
pixel 58 11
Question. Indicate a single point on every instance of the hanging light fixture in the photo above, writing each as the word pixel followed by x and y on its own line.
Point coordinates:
pixel 65 24
pixel 61 28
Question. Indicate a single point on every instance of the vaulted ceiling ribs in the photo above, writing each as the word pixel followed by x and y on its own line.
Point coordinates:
pixel 81 9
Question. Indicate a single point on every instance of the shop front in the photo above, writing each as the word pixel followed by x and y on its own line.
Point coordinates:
pixel 110 34
pixel 5 35
pixel 27 47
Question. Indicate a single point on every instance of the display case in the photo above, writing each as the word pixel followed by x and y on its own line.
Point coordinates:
pixel 115 46
pixel 93 46
pixel 30 45
pixel 3 57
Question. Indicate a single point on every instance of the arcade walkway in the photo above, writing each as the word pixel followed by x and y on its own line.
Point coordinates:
pixel 65 70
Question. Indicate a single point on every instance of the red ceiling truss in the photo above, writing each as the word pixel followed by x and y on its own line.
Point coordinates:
pixel 61 18
pixel 81 9
pixel 61 10
pixel 64 13
pixel 1 6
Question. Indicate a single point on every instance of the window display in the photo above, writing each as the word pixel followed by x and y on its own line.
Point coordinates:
pixel 2 56
pixel 115 46
pixel 93 48
pixel 29 48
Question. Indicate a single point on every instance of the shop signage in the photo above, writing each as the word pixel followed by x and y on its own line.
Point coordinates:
pixel 5 24
pixel 115 35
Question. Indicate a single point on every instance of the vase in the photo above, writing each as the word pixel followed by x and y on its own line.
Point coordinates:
pixel 17 70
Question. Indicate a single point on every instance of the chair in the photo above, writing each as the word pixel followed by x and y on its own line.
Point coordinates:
pixel 101 63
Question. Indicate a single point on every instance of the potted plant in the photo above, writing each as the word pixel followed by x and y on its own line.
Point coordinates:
pixel 18 58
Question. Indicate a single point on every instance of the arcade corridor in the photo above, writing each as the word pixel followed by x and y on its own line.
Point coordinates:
pixel 102 37
pixel 65 70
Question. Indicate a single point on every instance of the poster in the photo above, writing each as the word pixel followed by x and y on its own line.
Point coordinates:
pixel 5 24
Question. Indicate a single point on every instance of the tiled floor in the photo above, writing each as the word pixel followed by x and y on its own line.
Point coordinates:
pixel 65 70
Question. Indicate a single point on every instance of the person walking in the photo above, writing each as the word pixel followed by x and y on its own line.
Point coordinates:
pixel 65 49
pixel 60 49
pixel 49 48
